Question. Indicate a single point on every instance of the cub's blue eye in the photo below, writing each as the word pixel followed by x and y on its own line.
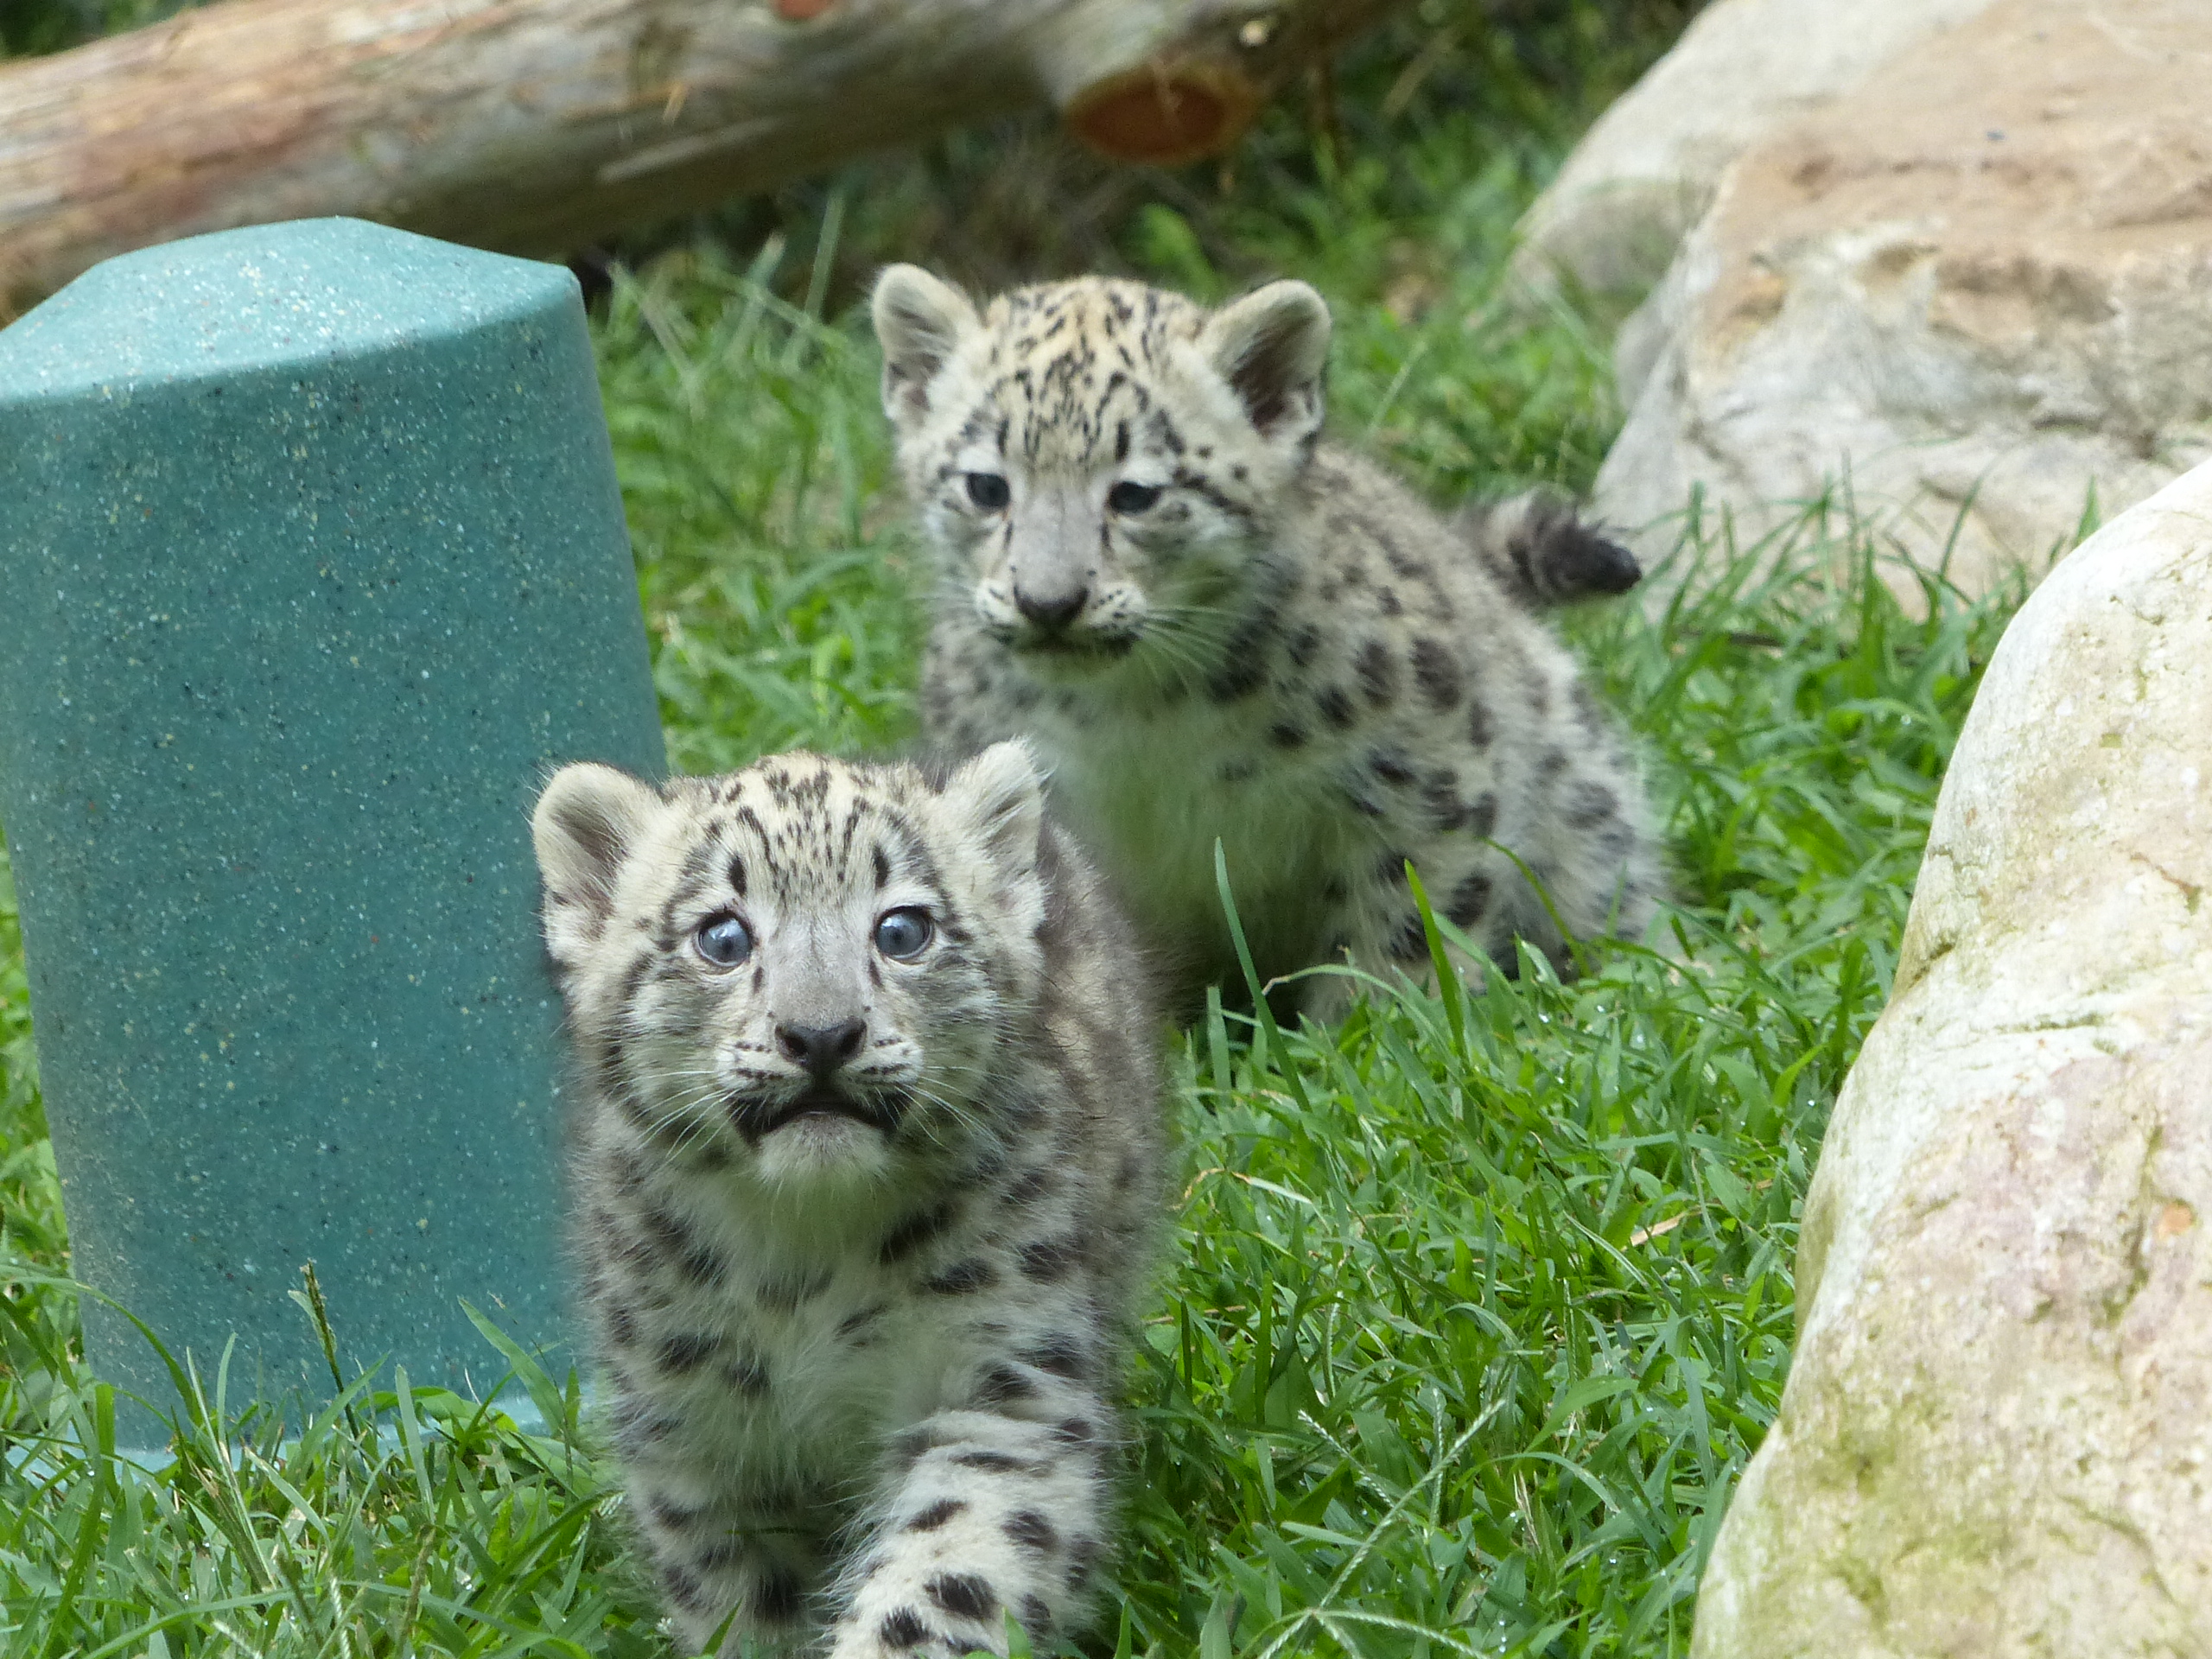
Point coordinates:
pixel 903 934
pixel 725 941
pixel 989 491
pixel 1126 497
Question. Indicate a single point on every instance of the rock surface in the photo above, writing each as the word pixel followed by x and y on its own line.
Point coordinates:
pixel 1644 174
pixel 1972 292
pixel 1997 1435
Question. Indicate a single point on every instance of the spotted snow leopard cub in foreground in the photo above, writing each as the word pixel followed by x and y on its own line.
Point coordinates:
pixel 865 1169
pixel 1211 624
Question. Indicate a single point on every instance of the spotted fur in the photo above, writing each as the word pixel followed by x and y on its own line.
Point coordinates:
pixel 1213 625
pixel 859 1227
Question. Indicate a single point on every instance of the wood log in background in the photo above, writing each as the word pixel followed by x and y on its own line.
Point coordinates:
pixel 537 126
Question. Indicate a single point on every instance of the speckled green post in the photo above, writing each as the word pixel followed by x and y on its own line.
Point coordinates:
pixel 314 566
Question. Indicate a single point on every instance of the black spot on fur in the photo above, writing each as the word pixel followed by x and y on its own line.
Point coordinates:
pixel 882 868
pixel 1480 729
pixel 1436 673
pixel 1589 805
pixel 1082 1560
pixel 672 1517
pixel 1003 1385
pixel 1061 1354
pixel 1074 1431
pixel 776 1597
pixel 1031 1185
pixel 1441 795
pixel 1048 1260
pixel 746 1375
pixel 965 1595
pixel 720 1555
pixel 694 1259
pixel 637 1425
pixel 1036 1617
pixel 1469 899
pixel 903 1629
pixel 621 1329
pixel 1241 673
pixel 632 977
pixel 1410 942
pixel 1378 673
pixel 1392 766
pixel 685 1351
pixel 1032 1531
pixel 1335 706
pixel 962 1277
pixel 913 1233
pixel 935 1515
pixel 682 1585
pixel 1305 644
pixel 1286 735
pixel 995 1462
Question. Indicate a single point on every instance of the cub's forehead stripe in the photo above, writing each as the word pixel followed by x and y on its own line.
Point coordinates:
pixel 795 827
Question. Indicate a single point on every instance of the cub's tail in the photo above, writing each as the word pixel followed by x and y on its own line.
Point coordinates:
pixel 1542 552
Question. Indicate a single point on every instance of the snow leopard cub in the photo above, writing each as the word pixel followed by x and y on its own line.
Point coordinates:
pixel 1212 624
pixel 865 1172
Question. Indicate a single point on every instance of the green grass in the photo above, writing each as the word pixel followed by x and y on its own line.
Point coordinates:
pixel 1477 1304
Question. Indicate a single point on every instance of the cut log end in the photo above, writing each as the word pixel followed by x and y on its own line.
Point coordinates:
pixel 1165 114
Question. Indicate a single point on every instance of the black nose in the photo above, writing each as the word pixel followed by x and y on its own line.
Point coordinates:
pixel 1050 614
pixel 821 1049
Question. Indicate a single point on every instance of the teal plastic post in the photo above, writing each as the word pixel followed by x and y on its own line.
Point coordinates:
pixel 312 564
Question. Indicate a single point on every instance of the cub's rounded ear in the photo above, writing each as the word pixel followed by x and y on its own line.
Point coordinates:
pixel 999 799
pixel 587 819
pixel 920 321
pixel 1272 349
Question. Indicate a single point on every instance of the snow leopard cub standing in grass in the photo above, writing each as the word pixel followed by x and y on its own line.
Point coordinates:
pixel 866 1170
pixel 1211 624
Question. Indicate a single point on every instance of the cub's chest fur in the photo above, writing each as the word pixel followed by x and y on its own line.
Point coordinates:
pixel 816 1351
pixel 1160 783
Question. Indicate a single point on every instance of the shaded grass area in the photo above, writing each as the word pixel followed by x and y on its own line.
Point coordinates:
pixel 1476 1305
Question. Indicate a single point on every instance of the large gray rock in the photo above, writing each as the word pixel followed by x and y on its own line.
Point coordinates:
pixel 1997 1436
pixel 1646 171
pixel 1974 296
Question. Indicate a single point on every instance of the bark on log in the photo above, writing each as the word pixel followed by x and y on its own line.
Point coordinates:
pixel 539 125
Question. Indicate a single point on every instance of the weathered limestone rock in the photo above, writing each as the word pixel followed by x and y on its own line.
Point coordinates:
pixel 1997 1435
pixel 1643 174
pixel 1972 293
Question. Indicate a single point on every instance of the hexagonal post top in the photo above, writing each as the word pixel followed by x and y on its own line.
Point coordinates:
pixel 315 564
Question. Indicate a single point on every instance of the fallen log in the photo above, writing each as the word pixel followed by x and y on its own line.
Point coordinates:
pixel 537 126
